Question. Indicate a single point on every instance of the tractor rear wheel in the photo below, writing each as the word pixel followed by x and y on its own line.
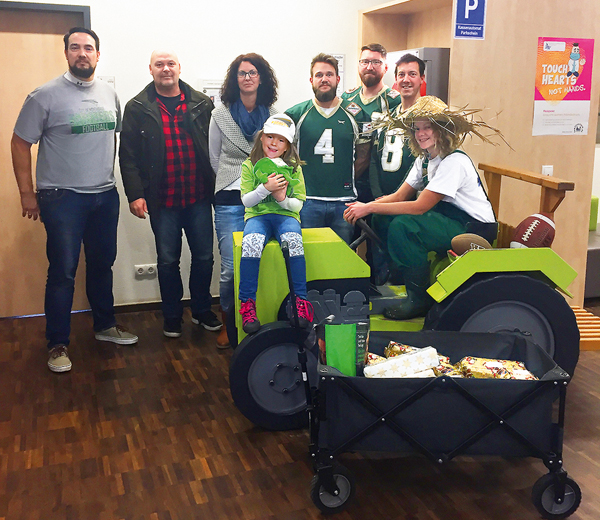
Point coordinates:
pixel 509 302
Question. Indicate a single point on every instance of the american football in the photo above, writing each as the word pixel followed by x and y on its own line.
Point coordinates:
pixel 535 231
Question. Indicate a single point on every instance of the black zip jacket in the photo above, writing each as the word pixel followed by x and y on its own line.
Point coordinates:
pixel 142 149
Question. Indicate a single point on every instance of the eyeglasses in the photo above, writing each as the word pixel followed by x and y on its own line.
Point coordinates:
pixel 242 75
pixel 374 63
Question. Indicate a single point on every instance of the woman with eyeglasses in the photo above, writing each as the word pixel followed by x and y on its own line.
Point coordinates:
pixel 247 95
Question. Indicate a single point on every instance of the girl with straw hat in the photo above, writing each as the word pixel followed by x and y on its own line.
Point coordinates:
pixel 451 199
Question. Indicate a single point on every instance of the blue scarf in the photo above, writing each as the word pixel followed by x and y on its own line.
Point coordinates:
pixel 249 122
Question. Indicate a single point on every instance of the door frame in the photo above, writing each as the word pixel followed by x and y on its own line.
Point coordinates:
pixel 77 15
pixel 62 8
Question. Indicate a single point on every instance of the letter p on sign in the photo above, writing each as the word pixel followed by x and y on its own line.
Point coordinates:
pixel 470 5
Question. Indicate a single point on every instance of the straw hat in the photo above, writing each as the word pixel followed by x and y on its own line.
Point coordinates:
pixel 458 122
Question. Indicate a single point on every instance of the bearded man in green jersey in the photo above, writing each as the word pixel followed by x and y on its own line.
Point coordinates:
pixel 326 134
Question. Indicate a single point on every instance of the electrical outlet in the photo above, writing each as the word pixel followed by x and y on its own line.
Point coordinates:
pixel 145 269
pixel 547 169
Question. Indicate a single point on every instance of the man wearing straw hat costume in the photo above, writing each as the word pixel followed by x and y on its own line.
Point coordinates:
pixel 451 199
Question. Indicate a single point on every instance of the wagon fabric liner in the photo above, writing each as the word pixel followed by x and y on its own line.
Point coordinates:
pixel 443 417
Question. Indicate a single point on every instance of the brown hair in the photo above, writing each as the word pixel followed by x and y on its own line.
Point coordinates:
pixel 290 156
pixel 324 58
pixel 267 90
pixel 374 47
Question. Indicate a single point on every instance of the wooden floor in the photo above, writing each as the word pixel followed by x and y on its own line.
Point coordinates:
pixel 150 432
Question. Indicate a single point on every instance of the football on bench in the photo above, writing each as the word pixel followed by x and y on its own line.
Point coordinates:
pixel 535 231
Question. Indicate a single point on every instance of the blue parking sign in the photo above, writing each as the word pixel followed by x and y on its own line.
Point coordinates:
pixel 470 19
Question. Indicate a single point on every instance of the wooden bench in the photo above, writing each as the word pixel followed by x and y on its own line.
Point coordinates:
pixel 553 191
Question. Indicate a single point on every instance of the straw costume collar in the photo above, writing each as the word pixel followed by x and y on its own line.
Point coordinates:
pixel 460 122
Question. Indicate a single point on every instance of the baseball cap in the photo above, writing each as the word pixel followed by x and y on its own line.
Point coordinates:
pixel 280 124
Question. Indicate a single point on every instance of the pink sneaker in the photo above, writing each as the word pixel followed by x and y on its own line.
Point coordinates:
pixel 249 320
pixel 305 312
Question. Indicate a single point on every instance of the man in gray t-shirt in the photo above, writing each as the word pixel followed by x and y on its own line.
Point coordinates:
pixel 74 118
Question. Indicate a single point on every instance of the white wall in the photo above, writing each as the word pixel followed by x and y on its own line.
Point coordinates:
pixel 207 36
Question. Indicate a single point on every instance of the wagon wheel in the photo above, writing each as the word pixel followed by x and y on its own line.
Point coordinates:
pixel 265 377
pixel 327 502
pixel 505 302
pixel 545 501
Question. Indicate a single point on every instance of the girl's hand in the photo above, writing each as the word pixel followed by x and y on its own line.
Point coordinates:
pixel 354 211
pixel 280 194
pixel 275 182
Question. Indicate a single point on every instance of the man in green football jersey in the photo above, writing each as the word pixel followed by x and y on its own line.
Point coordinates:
pixel 391 158
pixel 326 134
pixel 371 96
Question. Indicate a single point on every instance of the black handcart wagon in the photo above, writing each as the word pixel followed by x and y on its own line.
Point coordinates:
pixel 444 417
pixel 439 417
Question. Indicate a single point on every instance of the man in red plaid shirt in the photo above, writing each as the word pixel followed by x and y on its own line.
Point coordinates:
pixel 167 174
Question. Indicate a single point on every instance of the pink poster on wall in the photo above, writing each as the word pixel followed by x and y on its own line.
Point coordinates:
pixel 563 84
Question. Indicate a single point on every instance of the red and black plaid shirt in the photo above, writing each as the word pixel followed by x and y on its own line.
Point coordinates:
pixel 181 183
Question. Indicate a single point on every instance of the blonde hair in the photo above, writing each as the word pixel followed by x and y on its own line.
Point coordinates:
pixel 445 141
pixel 290 156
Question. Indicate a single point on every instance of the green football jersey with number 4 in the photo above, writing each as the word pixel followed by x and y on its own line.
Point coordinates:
pixel 326 144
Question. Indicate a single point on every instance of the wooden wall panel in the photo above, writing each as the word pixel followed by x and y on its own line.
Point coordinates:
pixel 430 29
pixel 498 74
pixel 389 30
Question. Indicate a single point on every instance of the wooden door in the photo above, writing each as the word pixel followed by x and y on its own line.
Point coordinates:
pixel 32 54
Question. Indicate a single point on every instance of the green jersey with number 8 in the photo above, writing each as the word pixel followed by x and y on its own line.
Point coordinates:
pixel 391 160
pixel 325 141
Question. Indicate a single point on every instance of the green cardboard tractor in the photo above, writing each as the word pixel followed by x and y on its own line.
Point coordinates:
pixel 493 290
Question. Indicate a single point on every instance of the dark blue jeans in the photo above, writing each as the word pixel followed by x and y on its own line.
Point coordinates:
pixel 326 213
pixel 227 220
pixel 168 224
pixel 257 232
pixel 71 218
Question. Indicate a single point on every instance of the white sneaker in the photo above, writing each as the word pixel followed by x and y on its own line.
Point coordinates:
pixel 117 334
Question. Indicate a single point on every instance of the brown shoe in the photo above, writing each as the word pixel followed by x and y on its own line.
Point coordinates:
pixel 58 360
pixel 223 339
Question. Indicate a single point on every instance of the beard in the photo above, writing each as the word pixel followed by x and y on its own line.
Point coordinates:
pixel 370 79
pixel 327 96
pixel 83 73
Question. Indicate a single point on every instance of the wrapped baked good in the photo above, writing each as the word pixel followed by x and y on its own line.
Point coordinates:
pixel 447 369
pixel 524 375
pixel 483 368
pixel 396 349
pixel 374 359
pixel 405 364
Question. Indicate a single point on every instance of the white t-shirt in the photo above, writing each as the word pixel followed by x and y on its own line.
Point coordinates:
pixel 454 177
